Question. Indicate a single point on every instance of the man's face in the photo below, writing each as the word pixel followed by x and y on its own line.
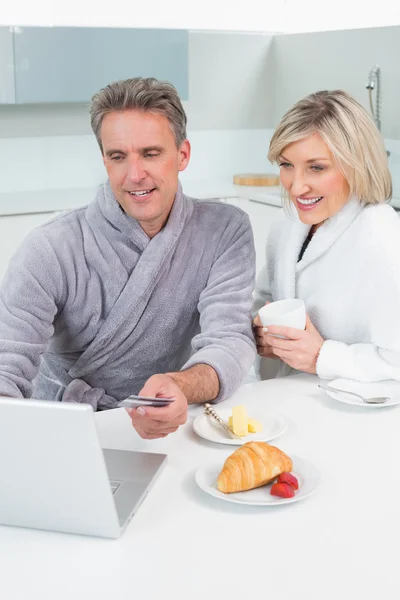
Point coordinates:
pixel 143 163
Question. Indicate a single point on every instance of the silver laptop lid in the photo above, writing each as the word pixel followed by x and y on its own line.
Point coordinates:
pixel 53 474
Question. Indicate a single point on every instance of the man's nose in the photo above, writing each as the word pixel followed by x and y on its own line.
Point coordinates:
pixel 136 171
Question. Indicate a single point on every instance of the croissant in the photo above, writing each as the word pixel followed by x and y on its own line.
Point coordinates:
pixel 252 465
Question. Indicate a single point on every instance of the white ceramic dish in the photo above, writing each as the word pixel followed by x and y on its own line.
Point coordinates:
pixel 368 390
pixel 207 428
pixel 306 472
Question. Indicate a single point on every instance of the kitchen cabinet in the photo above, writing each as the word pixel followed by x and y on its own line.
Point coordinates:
pixel 261 217
pixel 69 64
pixel 7 91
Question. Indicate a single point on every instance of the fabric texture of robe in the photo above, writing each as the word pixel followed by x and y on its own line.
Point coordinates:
pixel 349 278
pixel 90 307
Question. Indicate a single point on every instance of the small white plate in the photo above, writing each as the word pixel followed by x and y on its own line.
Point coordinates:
pixel 368 390
pixel 307 474
pixel 207 428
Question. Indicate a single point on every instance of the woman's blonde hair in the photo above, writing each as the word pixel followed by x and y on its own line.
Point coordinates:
pixel 351 135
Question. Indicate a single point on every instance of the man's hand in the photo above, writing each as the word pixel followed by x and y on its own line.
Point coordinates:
pixel 264 348
pixel 152 422
pixel 300 351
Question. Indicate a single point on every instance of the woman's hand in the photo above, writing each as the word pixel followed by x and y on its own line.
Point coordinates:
pixel 300 351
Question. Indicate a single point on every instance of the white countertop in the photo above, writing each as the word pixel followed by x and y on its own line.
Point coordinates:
pixel 40 201
pixel 226 189
pixel 341 542
pixel 37 201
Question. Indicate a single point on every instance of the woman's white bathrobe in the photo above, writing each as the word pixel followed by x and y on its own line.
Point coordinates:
pixel 349 278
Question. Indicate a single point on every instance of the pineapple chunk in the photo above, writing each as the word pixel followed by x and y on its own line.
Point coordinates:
pixel 254 426
pixel 240 420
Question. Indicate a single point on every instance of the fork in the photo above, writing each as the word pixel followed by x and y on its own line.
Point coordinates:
pixel 375 400
pixel 214 415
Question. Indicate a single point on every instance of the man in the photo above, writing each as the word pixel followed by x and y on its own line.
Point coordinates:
pixel 144 290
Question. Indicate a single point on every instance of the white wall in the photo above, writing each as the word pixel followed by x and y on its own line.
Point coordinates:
pixel 253 15
pixel 52 146
pixel 221 15
pixel 239 87
pixel 305 63
pixel 229 88
pixel 230 84
pixel 314 15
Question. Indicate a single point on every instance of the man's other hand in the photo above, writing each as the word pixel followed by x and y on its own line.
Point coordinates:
pixel 157 422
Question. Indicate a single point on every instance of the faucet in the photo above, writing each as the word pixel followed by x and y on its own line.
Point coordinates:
pixel 374 79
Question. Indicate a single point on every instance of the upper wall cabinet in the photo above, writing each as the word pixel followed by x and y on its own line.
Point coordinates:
pixel 7 90
pixel 67 64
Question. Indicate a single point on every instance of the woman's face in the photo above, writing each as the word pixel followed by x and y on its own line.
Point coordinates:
pixel 314 182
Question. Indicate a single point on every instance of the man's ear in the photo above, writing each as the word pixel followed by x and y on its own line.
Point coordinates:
pixel 184 155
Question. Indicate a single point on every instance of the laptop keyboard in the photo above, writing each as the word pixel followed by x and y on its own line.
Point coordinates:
pixel 114 485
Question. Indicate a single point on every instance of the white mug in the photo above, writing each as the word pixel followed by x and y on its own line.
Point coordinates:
pixel 288 313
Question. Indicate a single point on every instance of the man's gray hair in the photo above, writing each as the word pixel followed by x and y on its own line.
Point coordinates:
pixel 143 94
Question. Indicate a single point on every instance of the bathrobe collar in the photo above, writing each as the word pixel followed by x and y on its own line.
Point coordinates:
pixel 182 209
pixel 331 230
pixel 284 270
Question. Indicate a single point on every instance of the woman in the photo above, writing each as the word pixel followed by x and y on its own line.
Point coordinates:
pixel 339 250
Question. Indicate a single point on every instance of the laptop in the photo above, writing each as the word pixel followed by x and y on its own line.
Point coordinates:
pixel 55 476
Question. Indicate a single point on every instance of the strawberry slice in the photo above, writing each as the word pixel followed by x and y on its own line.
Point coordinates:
pixel 283 490
pixel 289 478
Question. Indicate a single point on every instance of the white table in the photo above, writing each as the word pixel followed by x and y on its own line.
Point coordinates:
pixel 340 543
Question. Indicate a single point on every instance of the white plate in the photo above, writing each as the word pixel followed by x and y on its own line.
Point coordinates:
pixel 207 428
pixel 307 474
pixel 368 390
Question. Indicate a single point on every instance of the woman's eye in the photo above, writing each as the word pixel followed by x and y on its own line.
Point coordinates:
pixel 286 165
pixel 317 168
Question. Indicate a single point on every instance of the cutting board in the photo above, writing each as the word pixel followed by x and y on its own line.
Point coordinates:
pixel 262 179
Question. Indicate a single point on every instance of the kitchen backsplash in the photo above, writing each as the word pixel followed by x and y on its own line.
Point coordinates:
pixel 63 162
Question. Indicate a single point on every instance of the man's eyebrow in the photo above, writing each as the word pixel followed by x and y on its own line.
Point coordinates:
pixel 114 151
pixel 151 149
pixel 142 150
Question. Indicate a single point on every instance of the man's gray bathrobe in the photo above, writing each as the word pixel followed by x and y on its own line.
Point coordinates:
pixel 90 307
